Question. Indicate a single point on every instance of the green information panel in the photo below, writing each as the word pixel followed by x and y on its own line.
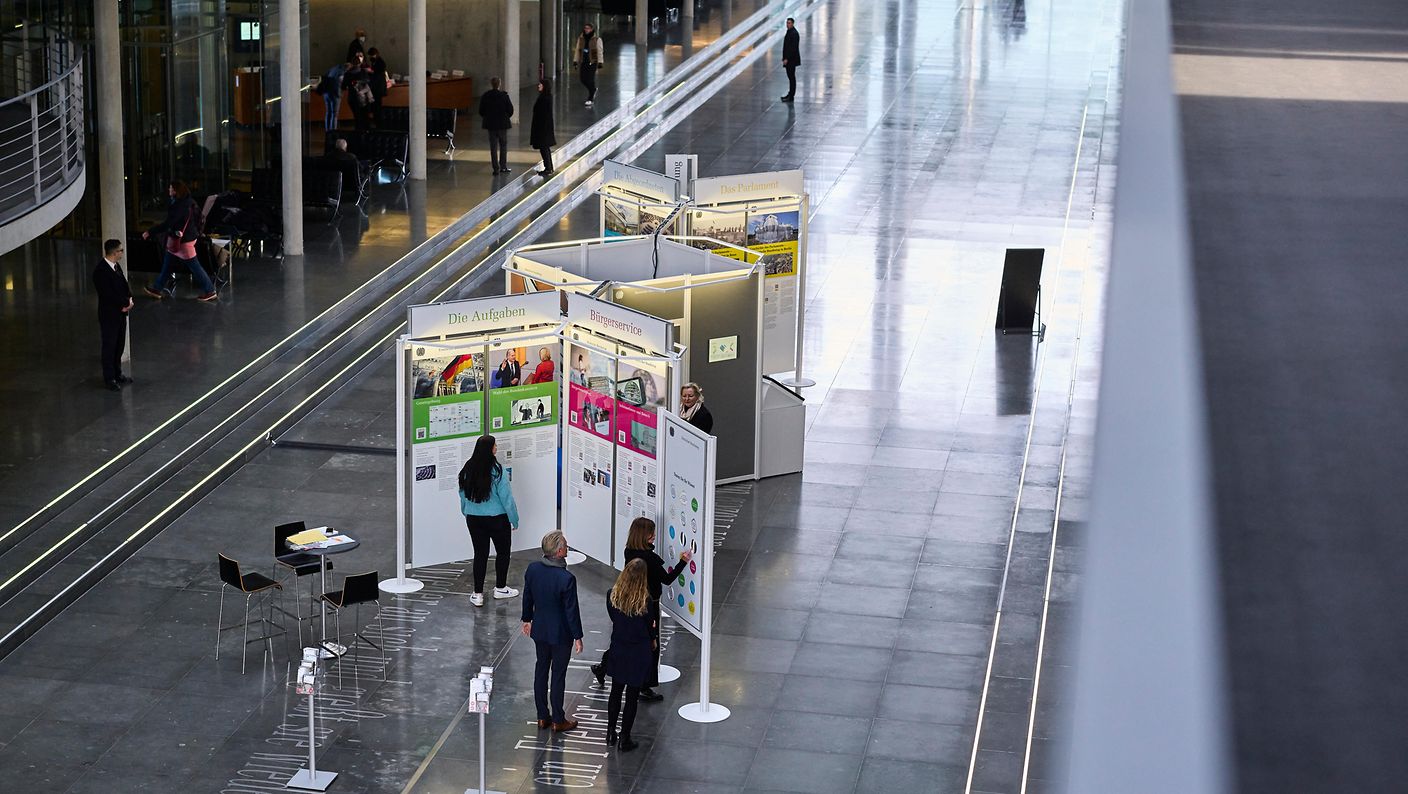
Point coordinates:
pixel 447 417
pixel 523 407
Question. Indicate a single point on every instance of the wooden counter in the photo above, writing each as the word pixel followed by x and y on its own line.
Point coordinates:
pixel 450 92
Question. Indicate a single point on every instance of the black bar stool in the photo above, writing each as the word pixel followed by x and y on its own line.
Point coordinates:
pixel 251 584
pixel 302 564
pixel 358 589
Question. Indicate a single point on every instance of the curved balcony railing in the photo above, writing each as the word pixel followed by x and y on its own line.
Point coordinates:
pixel 41 143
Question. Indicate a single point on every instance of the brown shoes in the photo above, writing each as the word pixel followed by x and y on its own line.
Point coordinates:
pixel 559 727
pixel 151 293
pixel 543 724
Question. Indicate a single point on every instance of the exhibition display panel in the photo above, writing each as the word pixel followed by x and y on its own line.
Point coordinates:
pixel 636 201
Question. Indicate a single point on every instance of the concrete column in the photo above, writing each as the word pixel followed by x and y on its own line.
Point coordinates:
pixel 291 122
pixel 112 192
pixel 642 21
pixel 548 38
pixel 416 42
pixel 512 31
pixel 687 27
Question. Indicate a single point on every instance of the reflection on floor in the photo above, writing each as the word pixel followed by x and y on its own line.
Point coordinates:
pixel 858 642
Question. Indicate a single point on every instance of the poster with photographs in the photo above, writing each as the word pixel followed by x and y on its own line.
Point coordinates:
pixel 589 465
pixel 619 218
pixel 523 389
pixel 641 389
pixel 728 227
pixel 447 419
pixel 447 398
pixel 776 233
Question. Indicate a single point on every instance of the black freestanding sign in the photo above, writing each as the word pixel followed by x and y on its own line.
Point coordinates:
pixel 1021 284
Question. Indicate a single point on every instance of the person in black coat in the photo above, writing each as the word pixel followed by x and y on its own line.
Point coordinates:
pixel 791 57
pixel 357 75
pixel 378 83
pixel 541 136
pixel 114 302
pixel 182 229
pixel 630 658
pixel 357 45
pixel 640 545
pixel 496 108
pixel 692 408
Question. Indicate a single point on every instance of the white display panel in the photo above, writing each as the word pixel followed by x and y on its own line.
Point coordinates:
pixel 589 465
pixel 523 418
pixel 687 520
pixel 447 418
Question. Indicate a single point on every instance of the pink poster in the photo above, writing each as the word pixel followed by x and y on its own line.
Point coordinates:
pixel 635 429
pixel 590 410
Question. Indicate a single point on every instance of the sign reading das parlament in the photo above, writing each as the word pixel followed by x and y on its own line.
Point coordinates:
pixel 477 315
pixel 748 187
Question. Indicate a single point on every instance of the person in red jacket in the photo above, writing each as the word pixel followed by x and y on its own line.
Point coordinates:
pixel 543 372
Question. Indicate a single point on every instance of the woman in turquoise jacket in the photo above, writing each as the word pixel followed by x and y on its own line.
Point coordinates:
pixel 486 499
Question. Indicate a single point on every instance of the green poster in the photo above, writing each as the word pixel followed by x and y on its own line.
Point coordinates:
pixel 446 417
pixel 522 407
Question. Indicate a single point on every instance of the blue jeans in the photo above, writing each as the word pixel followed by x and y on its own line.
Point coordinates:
pixel 333 103
pixel 168 263
pixel 555 657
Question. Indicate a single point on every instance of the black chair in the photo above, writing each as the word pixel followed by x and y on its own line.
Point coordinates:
pixel 439 123
pixel 382 149
pixel 322 192
pixel 251 584
pixel 354 175
pixel 358 589
pixel 302 564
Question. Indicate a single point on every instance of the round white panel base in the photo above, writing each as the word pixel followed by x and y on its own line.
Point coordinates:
pixel 401 585
pixel 798 383
pixel 669 673
pixel 694 712
pixel 574 557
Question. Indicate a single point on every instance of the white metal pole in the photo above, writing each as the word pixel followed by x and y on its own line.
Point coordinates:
pixel 291 122
pixel 401 584
pixel 797 380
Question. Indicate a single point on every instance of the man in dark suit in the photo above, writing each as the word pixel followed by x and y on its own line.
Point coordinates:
pixel 791 57
pixel 114 301
pixel 551 618
pixel 496 108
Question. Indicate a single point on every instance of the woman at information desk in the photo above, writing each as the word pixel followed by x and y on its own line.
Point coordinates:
pixel 490 514
pixel 633 649
pixel 640 545
pixel 692 408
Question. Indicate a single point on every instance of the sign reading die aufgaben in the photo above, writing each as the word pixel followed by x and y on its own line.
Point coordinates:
pixel 477 315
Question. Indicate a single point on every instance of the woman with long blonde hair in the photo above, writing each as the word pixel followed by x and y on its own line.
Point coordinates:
pixel 640 545
pixel 629 660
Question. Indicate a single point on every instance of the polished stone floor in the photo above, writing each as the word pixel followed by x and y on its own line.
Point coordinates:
pixel 896 618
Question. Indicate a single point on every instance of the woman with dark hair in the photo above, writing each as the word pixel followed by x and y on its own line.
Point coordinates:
pixel 490 514
pixel 541 136
pixel 378 84
pixel 629 657
pixel 356 81
pixel 182 227
pixel 640 545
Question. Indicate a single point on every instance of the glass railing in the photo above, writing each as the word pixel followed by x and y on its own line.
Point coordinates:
pixel 41 143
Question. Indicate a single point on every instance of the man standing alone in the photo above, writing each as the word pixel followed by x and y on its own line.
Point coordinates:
pixel 551 618
pixel 791 57
pixel 589 53
pixel 496 108
pixel 114 301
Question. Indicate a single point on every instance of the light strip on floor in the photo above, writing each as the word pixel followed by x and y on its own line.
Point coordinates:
pixel 1022 481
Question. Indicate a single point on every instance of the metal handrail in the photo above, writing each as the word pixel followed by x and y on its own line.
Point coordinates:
pixel 51 142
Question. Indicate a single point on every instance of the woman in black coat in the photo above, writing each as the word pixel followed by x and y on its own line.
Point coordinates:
pixel 692 408
pixel 541 136
pixel 629 657
pixel 640 545
pixel 357 75
pixel 378 83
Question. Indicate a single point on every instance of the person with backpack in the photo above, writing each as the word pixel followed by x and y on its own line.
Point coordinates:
pixel 182 227
pixel 358 82
pixel 331 89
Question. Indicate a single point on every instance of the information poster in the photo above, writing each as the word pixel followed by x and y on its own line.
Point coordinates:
pixel 447 404
pixel 588 471
pixel 523 413
pixel 641 387
pixel 728 227
pixel 687 523
pixel 620 218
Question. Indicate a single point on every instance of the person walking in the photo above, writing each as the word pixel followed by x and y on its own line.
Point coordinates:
pixel 330 86
pixel 378 85
pixel 541 136
pixel 551 618
pixel 633 650
pixel 114 302
pixel 640 546
pixel 490 514
pixel 589 53
pixel 692 408
pixel 496 109
pixel 791 57
pixel 182 227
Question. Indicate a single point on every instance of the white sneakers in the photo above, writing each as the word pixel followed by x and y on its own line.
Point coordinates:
pixel 477 599
pixel 589 103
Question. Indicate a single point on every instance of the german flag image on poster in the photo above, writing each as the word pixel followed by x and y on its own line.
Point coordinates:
pixel 776 235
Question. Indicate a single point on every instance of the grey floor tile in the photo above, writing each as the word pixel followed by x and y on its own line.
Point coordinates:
pixel 881 775
pixel 941 551
pixel 950 745
pixel 927 704
pixel 800 730
pixel 780 769
pixel 708 763
pixel 830 696
pixel 851 662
